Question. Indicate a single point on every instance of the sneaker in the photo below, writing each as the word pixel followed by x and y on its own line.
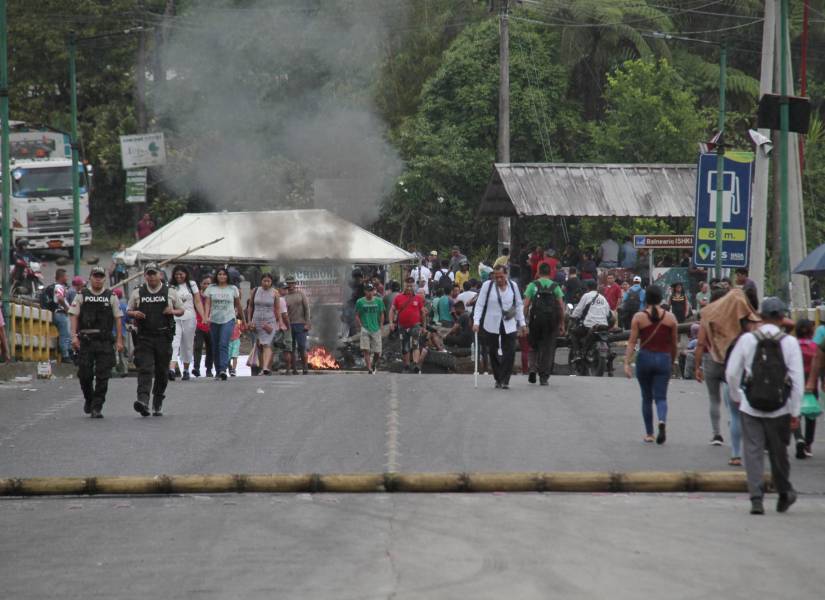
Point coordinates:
pixel 294 371
pixel 717 440
pixel 87 407
pixel 185 376
pixel 141 408
pixel 648 439
pixel 505 386
pixel 96 414
pixel 544 381
pixel 808 452
pixel 304 371
pixel 157 413
pixel 785 501
pixel 498 385
pixel 266 372
pixel 757 508
pixel 232 372
pixel 222 375
pixel 415 369
pixel 660 439
pixel 171 375
pixel 800 450
pixel 209 372
pixel 196 373
pixel 531 378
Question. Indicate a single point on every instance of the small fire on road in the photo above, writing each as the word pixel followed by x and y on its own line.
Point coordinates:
pixel 320 358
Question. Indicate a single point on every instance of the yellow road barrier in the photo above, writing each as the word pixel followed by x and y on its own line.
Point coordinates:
pixel 368 483
pixel 33 334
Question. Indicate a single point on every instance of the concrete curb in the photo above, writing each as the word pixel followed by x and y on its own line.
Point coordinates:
pixel 368 483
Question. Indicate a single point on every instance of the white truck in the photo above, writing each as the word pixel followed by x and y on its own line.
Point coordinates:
pixel 41 202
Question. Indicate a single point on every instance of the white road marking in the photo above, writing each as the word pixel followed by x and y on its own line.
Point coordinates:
pixel 392 427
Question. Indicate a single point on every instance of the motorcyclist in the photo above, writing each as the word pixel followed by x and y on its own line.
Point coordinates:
pixel 592 311
pixel 19 254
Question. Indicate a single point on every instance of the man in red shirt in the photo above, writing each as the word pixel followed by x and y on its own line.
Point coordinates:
pixel 551 260
pixel 407 314
pixel 536 256
pixel 612 292
pixel 144 227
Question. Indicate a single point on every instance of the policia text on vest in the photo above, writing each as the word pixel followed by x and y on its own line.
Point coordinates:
pixel 153 306
pixel 96 323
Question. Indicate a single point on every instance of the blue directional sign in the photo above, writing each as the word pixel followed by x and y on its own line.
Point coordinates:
pixel 736 210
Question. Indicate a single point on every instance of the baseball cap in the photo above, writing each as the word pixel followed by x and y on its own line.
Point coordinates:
pixel 282 285
pixel 433 253
pixel 550 252
pixel 151 268
pixel 78 280
pixel 290 279
pixel 773 307
pixel 369 287
pixel 97 271
pixel 637 279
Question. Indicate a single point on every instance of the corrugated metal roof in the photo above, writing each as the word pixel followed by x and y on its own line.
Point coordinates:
pixel 591 190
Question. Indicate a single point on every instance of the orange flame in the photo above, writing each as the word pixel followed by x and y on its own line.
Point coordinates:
pixel 320 358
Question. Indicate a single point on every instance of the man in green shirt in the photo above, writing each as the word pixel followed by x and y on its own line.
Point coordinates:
pixel 544 313
pixel 369 315
pixel 444 308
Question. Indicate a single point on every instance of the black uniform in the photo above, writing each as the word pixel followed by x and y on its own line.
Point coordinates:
pixel 97 353
pixel 153 347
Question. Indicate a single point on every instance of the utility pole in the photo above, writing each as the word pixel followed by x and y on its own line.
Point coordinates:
pixel 720 156
pixel 140 91
pixel 784 126
pixel 75 149
pixel 5 167
pixel 503 151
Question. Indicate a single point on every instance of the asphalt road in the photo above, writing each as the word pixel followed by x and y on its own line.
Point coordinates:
pixel 388 546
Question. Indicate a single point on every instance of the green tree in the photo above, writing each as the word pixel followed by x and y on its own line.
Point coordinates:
pixel 650 116
pixel 450 144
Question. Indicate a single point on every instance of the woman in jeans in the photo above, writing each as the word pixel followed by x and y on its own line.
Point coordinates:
pixel 202 337
pixel 223 306
pixel 656 331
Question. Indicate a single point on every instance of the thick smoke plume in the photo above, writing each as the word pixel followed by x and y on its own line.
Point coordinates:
pixel 268 104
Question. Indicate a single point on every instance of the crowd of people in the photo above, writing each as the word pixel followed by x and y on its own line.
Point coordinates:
pixel 441 303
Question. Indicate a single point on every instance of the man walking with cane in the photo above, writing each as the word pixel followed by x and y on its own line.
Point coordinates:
pixel 499 316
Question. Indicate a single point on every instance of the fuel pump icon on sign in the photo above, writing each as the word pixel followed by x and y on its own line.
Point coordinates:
pixel 731 204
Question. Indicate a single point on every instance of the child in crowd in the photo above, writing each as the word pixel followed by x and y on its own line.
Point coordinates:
pixel 689 353
pixel 234 348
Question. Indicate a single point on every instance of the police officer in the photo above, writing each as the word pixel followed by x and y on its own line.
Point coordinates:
pixel 94 313
pixel 152 307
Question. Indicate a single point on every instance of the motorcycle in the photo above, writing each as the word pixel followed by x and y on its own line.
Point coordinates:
pixel 595 356
pixel 26 278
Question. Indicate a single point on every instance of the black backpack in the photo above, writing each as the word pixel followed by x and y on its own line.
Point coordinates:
pixel 633 302
pixel 544 308
pixel 444 282
pixel 47 298
pixel 768 385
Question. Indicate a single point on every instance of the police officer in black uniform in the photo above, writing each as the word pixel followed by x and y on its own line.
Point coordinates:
pixel 95 314
pixel 153 306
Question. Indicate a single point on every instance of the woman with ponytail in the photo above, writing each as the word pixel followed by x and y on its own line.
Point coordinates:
pixel 657 334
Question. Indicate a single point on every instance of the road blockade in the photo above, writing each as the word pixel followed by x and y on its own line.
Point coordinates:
pixel 368 483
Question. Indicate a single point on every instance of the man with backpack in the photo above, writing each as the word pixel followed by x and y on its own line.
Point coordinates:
pixel 766 380
pixel 444 278
pixel 544 313
pixel 53 298
pixel 632 302
pixel 592 311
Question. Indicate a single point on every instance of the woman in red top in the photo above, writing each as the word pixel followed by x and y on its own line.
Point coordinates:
pixel 657 333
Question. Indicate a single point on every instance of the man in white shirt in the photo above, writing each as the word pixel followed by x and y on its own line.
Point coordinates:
pixel 767 429
pixel 598 314
pixel 499 315
pixel 468 296
pixel 422 276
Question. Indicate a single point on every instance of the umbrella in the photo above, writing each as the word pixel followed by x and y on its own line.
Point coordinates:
pixel 813 264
